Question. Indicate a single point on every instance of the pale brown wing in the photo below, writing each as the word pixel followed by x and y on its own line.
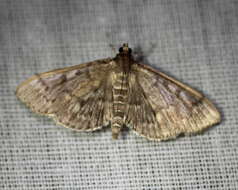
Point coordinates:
pixel 161 107
pixel 77 97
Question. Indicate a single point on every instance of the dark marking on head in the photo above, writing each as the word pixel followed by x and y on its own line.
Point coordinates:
pixel 125 49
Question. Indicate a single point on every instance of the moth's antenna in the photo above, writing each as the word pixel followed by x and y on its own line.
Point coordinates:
pixel 113 48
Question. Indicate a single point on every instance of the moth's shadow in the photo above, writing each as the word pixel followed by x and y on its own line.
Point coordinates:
pixel 141 55
pixel 124 132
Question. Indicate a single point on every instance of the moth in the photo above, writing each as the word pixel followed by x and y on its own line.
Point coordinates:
pixel 119 92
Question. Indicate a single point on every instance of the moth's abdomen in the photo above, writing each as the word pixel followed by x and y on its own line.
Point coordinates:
pixel 120 96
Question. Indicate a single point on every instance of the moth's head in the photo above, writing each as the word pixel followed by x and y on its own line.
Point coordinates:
pixel 125 49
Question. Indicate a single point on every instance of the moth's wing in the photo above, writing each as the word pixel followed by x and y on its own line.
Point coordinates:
pixel 77 97
pixel 161 107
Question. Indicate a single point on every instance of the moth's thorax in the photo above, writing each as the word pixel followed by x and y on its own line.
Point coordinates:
pixel 124 61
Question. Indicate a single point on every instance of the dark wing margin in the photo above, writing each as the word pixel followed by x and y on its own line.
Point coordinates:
pixel 76 97
pixel 162 107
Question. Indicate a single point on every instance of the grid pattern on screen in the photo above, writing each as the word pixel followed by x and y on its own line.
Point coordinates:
pixel 194 41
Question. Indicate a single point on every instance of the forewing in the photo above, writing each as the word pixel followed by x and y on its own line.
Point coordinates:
pixel 162 107
pixel 77 97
